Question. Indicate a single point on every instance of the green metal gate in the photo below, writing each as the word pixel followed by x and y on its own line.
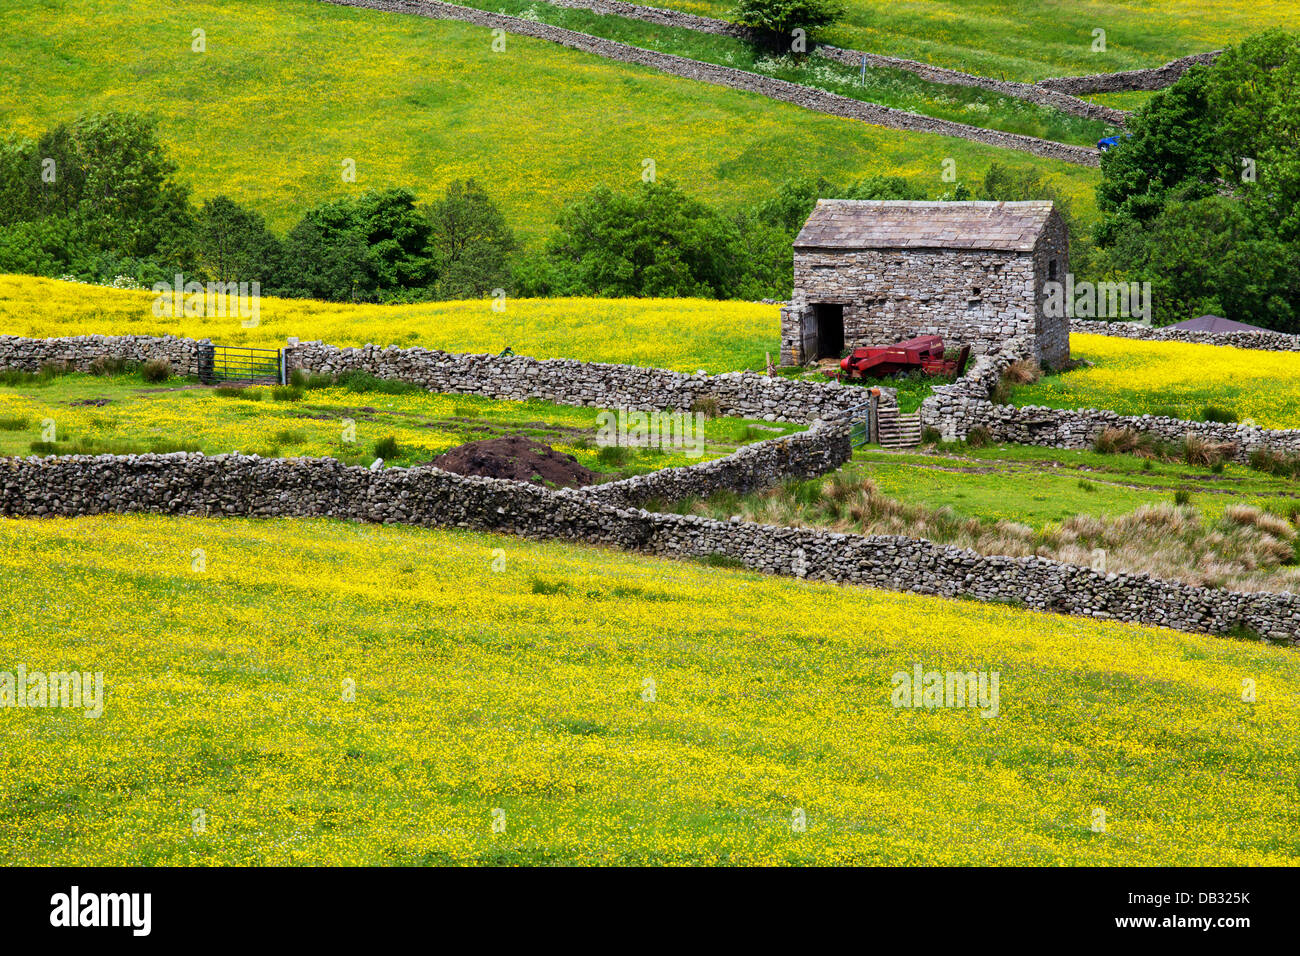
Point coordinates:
pixel 222 363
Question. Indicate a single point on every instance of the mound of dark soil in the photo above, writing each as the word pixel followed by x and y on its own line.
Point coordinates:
pixel 518 458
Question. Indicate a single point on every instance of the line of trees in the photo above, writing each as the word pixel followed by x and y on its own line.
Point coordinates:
pixel 97 199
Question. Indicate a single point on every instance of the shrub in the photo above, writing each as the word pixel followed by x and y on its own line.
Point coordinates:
pixel 1270 460
pixel 931 435
pixel 358 381
pixel 288 436
pixel 612 455
pixel 718 560
pixel 156 370
pixel 1213 413
pixel 298 378
pixel 12 424
pixel 1182 498
pixel 286 393
pixel 1121 441
pixel 979 437
pixel 386 448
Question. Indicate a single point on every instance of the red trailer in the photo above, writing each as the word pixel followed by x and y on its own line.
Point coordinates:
pixel 923 353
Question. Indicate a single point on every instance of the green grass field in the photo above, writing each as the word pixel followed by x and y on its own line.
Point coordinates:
pixel 888 87
pixel 87 414
pixel 1038 486
pixel 1028 40
pixel 289 89
pixel 611 709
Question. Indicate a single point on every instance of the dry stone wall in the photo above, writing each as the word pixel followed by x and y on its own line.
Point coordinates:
pixel 1268 341
pixel 79 352
pixel 956 409
pixel 821 449
pixel 591 384
pixel 935 74
pixel 226 485
pixel 1156 78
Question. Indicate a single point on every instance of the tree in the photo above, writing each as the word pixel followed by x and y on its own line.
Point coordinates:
pixel 369 249
pixel 105 183
pixel 1209 255
pixel 777 20
pixel 470 242
pixel 652 241
pixel 235 245
pixel 794 200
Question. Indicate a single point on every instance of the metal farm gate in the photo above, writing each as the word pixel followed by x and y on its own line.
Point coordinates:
pixel 222 363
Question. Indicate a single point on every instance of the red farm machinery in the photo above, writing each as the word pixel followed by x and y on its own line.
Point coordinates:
pixel 924 354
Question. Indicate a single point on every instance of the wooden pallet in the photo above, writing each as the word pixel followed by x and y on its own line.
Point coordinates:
pixel 899 429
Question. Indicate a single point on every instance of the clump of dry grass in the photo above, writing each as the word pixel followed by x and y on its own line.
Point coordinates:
pixel 1198 450
pixel 1023 372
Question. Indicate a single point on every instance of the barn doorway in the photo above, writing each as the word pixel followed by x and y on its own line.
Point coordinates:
pixel 829 320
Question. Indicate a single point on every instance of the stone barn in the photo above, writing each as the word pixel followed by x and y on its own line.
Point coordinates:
pixel 875 272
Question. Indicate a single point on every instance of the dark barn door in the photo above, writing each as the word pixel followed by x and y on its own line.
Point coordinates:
pixel 830 330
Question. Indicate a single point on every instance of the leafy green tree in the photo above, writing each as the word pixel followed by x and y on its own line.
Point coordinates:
pixel 652 241
pixel 776 20
pixel 470 242
pixel 794 200
pixel 369 249
pixel 1209 255
pixel 235 244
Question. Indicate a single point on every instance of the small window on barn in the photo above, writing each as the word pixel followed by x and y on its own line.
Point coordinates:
pixel 1051 270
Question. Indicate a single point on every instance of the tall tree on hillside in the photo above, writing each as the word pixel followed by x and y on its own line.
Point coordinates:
pixel 235 245
pixel 776 21
pixel 470 242
pixel 652 241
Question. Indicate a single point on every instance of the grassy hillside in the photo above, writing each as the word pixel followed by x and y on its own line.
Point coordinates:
pixel 1174 378
pixel 288 89
pixel 1028 40
pixel 525 691
pixel 681 334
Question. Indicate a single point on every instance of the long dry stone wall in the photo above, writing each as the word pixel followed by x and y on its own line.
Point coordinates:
pixel 591 384
pixel 936 74
pixel 227 485
pixel 1268 341
pixel 79 352
pixel 954 410
pixel 1156 78
pixel 783 90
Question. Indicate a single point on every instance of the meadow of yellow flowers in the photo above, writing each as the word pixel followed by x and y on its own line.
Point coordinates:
pixel 1178 379
pixel 281 692
pixel 680 334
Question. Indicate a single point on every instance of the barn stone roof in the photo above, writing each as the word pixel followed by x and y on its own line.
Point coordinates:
pixel 904 224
